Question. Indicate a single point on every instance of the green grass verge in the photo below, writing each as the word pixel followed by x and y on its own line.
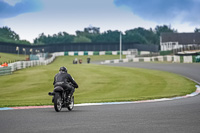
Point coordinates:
pixel 5 57
pixel 97 83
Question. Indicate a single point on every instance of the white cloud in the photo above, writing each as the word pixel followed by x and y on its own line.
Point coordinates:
pixel 12 2
pixel 72 15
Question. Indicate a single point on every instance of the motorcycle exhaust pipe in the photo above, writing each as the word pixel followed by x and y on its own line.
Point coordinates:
pixel 51 93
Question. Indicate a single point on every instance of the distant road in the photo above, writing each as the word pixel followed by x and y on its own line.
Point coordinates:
pixel 190 70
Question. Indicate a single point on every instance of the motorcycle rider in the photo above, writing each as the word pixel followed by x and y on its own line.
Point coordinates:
pixel 65 80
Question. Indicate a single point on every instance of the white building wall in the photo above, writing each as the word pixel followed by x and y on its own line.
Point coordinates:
pixel 169 46
pixel 187 59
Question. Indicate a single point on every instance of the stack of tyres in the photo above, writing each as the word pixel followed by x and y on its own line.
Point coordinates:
pixel 198 58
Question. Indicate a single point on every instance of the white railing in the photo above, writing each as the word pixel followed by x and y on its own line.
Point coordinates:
pixel 167 58
pixel 25 64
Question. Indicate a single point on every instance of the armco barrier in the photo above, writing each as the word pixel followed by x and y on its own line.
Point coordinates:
pixel 5 70
pixel 175 58
pixel 25 64
pixel 80 53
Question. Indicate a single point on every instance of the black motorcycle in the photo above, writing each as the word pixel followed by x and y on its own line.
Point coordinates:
pixel 60 99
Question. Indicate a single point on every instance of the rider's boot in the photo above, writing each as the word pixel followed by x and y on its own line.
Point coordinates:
pixel 70 95
pixel 69 99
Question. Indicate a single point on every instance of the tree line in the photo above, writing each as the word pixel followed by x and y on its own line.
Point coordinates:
pixel 92 35
pixel 9 36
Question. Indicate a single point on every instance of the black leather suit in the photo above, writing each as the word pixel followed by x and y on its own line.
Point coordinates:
pixel 64 79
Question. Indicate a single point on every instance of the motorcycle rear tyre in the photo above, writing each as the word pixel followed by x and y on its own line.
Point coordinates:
pixel 71 105
pixel 57 102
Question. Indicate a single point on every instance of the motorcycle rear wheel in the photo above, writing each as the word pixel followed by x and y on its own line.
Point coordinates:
pixel 57 102
pixel 71 105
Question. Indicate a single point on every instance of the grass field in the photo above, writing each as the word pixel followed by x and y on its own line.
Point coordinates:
pixel 97 83
pixel 4 57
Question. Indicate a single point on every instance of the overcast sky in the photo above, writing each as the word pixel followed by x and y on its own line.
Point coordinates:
pixel 29 18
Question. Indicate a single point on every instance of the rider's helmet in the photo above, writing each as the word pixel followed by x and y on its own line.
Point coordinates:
pixel 63 69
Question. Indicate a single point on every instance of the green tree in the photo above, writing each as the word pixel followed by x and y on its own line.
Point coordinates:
pixel 140 35
pixel 7 35
pixel 164 28
pixel 81 39
pixel 90 32
pixel 135 38
pixel 61 37
pixel 197 30
pixel 40 40
pixel 108 36
pixel 93 30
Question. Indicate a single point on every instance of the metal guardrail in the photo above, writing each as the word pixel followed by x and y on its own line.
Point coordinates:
pixel 167 58
pixel 5 70
pixel 186 48
pixel 25 64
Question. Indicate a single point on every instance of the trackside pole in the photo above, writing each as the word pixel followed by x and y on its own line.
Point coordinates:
pixel 120 45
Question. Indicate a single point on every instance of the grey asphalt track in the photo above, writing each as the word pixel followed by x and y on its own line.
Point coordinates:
pixel 177 116
pixel 190 70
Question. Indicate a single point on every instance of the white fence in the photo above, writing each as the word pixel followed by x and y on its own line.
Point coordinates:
pixel 25 64
pixel 168 58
